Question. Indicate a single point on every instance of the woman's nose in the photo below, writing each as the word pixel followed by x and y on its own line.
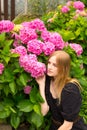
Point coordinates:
pixel 50 66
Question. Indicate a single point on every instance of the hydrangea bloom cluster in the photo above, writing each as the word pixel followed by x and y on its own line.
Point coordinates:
pixel 77 48
pixel 36 24
pixel 27 89
pixel 57 40
pixel 27 34
pixel 6 26
pixel 48 48
pixel 65 9
pixel 78 5
pixel 1 68
pixel 35 46
pixel 53 37
pixel 21 50
pixel 38 69
pixel 31 65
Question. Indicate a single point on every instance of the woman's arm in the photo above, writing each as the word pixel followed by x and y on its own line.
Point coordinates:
pixel 66 125
pixel 44 105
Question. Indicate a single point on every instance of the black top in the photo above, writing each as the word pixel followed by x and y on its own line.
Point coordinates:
pixel 69 107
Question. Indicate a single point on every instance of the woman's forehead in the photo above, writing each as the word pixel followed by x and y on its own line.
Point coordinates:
pixel 53 58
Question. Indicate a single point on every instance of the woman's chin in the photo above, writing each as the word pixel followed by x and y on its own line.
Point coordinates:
pixel 49 74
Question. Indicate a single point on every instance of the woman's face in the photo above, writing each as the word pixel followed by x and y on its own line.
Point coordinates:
pixel 52 69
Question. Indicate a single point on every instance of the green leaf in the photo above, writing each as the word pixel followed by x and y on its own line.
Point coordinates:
pixel 78 31
pixel 8 75
pixel 12 86
pixel 6 89
pixel 24 79
pixel 6 48
pixel 6 58
pixel 39 97
pixel 15 120
pixel 36 119
pixel 12 109
pixel 37 109
pixel 33 93
pixel 67 35
pixel 2 37
pixel 5 114
pixel 4 111
pixel 25 106
pixel 15 55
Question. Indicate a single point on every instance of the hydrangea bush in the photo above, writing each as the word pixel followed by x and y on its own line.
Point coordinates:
pixel 69 20
pixel 24 50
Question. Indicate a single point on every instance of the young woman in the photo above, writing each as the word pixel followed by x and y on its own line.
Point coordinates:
pixel 61 94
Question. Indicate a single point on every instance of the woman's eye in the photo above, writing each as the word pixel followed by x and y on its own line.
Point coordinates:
pixel 54 65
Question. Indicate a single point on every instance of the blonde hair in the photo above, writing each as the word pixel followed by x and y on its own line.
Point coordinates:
pixel 63 61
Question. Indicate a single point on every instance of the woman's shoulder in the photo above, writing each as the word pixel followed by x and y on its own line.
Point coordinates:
pixel 71 87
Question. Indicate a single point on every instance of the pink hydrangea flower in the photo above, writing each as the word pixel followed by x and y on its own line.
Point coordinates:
pixel 36 24
pixel 65 9
pixel 48 48
pixel 27 89
pixel 32 66
pixel 45 35
pixel 27 61
pixel 6 26
pixel 19 50
pixel 35 46
pixel 77 48
pixel 57 40
pixel 38 70
pixel 78 5
pixel 1 68
pixel 27 34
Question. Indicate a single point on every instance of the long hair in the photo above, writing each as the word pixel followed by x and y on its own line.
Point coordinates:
pixel 63 62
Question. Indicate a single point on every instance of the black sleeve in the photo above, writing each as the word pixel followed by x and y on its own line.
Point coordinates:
pixel 70 102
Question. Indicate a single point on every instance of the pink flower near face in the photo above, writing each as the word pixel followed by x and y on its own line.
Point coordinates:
pixel 1 68
pixel 48 48
pixel 65 9
pixel 27 89
pixel 38 69
pixel 27 61
pixel 77 48
pixel 57 40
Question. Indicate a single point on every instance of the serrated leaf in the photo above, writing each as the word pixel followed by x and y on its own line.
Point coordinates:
pixel 2 37
pixel 25 106
pixel 23 78
pixel 15 121
pixel 33 93
pixel 36 119
pixel 5 113
pixel 12 86
pixel 37 109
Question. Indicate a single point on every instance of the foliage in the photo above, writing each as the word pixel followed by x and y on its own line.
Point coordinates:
pixel 24 50
pixel 70 22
